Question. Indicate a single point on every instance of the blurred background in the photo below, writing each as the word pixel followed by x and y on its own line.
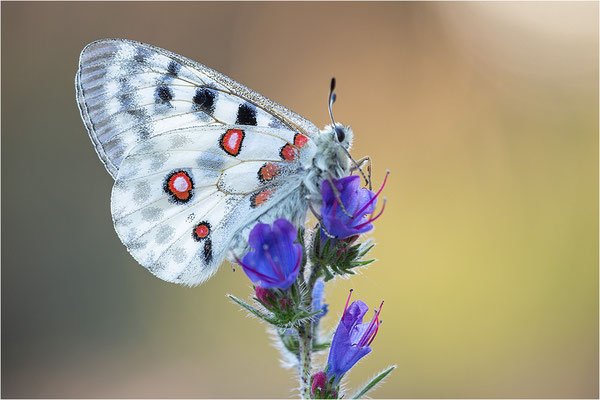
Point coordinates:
pixel 485 113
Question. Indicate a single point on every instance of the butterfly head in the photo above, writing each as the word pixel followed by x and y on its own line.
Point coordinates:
pixel 341 134
pixel 333 145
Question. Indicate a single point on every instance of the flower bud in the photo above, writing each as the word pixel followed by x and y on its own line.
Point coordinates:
pixel 265 296
pixel 319 381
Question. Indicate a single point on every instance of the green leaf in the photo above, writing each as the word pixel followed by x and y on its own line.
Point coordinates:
pixel 320 346
pixel 373 382
pixel 252 310
pixel 328 274
pixel 363 263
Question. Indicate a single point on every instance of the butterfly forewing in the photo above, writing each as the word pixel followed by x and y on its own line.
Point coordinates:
pixel 129 91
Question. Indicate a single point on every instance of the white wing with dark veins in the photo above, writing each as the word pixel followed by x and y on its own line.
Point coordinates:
pixel 129 91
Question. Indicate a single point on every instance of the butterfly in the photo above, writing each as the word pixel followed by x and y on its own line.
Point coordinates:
pixel 198 159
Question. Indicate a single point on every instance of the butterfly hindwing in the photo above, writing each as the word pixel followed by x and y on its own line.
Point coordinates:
pixel 182 197
pixel 129 91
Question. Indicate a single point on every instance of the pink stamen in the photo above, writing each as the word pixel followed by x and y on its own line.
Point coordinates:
pixel 374 333
pixel 370 335
pixel 376 195
pixel 372 219
pixel 263 277
pixel 380 307
pixel 377 326
pixel 348 301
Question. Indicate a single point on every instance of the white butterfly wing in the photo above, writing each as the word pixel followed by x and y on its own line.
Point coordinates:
pixel 128 92
pixel 184 197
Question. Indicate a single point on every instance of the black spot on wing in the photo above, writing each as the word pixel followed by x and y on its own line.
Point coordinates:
pixel 173 68
pixel 141 55
pixel 205 99
pixel 246 115
pixel 126 100
pixel 207 251
pixel 138 113
pixel 143 132
pixel 163 94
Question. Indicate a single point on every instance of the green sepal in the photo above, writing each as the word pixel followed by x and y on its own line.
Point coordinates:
pixel 339 257
pixel 373 382
pixel 281 319
pixel 252 310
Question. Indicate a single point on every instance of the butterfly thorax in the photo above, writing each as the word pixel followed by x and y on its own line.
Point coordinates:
pixel 330 159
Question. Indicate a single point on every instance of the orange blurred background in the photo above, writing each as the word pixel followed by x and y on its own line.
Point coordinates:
pixel 485 113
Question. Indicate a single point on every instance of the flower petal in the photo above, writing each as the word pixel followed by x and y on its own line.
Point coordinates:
pixel 258 235
pixel 343 354
pixel 275 260
pixel 354 314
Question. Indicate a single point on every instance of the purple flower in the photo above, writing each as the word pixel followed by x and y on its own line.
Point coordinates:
pixel 352 339
pixel 275 261
pixel 358 203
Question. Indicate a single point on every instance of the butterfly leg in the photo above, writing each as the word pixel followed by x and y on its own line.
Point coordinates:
pixel 359 165
pixel 337 195
pixel 320 219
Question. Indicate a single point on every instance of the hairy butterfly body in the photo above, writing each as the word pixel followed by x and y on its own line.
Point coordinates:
pixel 197 158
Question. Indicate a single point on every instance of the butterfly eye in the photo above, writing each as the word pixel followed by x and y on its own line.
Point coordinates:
pixel 340 134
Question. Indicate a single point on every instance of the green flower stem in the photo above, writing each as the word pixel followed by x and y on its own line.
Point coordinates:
pixel 305 338
pixel 305 342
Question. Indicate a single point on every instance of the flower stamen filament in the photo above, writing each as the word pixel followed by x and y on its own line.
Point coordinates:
pixel 347 301
pixel 372 219
pixel 376 194
pixel 370 333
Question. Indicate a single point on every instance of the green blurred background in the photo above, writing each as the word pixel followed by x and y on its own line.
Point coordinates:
pixel 487 116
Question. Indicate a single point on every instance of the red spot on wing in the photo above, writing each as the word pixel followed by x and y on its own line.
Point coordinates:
pixel 288 153
pixel 180 185
pixel 268 172
pixel 260 198
pixel 300 140
pixel 201 231
pixel 231 141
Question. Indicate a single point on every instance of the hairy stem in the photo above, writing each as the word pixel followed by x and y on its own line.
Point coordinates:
pixel 305 341
pixel 305 338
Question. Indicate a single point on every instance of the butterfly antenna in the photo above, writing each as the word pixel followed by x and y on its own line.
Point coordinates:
pixel 332 98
